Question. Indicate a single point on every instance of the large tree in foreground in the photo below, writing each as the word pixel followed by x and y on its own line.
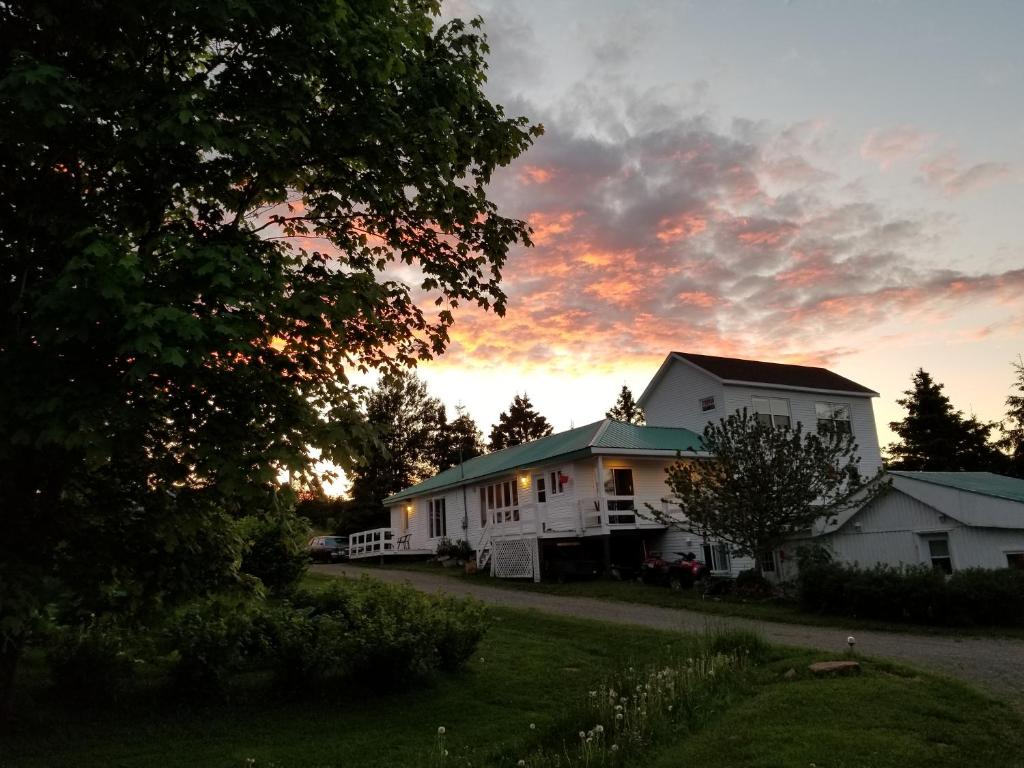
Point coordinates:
pixel 935 437
pixel 200 207
pixel 763 484
pixel 626 409
pixel 519 424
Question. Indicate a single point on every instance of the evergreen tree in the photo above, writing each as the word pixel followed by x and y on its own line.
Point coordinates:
pixel 626 409
pixel 520 424
pixel 1012 440
pixel 934 437
pixel 457 440
pixel 404 418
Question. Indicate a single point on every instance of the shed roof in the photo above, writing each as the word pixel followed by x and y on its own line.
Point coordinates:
pixel 599 437
pixel 984 483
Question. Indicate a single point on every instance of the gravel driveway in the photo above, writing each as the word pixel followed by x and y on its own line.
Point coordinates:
pixel 994 664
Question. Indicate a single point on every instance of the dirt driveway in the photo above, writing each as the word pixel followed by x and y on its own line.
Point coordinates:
pixel 994 664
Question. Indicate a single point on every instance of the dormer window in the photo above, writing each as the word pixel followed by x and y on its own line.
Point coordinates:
pixel 771 411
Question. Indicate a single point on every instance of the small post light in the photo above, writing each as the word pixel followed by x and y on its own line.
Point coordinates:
pixel 851 641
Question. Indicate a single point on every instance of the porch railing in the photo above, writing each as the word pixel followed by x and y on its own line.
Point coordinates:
pixel 371 542
pixel 620 512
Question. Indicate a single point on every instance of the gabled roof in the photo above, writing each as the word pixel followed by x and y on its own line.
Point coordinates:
pixel 984 483
pixel 733 370
pixel 600 437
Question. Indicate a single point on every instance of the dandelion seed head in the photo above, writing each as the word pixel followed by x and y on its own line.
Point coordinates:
pixel 440 730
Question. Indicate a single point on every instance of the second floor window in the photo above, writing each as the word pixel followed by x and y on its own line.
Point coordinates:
pixel 771 411
pixel 833 416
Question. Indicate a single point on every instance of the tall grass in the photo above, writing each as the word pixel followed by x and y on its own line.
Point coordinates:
pixel 624 715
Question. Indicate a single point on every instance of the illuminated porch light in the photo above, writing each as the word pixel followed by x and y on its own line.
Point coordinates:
pixel 524 480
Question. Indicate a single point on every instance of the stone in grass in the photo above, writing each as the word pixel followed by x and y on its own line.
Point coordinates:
pixel 835 668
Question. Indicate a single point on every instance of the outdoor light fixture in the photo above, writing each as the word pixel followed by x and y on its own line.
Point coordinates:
pixel 851 641
pixel 524 481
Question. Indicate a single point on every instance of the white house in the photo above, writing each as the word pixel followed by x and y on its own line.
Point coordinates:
pixel 581 493
pixel 949 520
pixel 573 496
pixel 689 390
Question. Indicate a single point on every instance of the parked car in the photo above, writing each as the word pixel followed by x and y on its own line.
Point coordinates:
pixel 328 549
pixel 678 572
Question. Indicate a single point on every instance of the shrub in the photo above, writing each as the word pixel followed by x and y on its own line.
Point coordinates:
pixel 212 640
pixel 366 631
pixel 276 549
pixel 917 594
pixel 92 661
pixel 459 549
pixel 750 583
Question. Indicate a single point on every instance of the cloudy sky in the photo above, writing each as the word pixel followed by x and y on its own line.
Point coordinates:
pixel 829 183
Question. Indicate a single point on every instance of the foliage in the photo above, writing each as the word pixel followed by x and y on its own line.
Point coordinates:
pixel 455 441
pixel 519 424
pixel 92 660
pixel 404 416
pixel 1012 439
pixel 917 594
pixel 366 631
pixel 458 549
pixel 172 341
pixel 933 437
pixel 764 484
pixel 276 548
pixel 626 409
pixel 750 583
pixel 212 640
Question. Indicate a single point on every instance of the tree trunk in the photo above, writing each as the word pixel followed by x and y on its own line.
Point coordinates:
pixel 10 655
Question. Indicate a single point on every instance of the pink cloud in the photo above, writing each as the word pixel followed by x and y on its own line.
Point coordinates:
pixel 945 172
pixel 888 146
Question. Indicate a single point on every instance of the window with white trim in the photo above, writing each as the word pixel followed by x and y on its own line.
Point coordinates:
pixel 483 507
pixel 716 557
pixel 771 411
pixel 618 487
pixel 557 481
pixel 438 520
pixel 938 553
pixel 503 502
pixel 833 417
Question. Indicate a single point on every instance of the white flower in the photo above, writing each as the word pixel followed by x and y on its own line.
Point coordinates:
pixel 598 728
pixel 583 735
pixel 521 762
pixel 533 726
pixel 615 747
pixel 440 730
pixel 618 716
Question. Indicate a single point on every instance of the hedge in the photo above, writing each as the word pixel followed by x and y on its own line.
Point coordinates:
pixel 918 594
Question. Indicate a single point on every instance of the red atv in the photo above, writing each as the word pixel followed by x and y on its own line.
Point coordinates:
pixel 677 573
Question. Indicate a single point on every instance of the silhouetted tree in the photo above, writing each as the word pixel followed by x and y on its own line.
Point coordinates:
pixel 520 424
pixel 935 437
pixel 626 409
pixel 1012 440
pixel 455 441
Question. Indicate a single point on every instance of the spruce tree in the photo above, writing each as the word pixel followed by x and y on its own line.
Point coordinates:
pixel 1012 440
pixel 457 440
pixel 935 437
pixel 626 409
pixel 520 424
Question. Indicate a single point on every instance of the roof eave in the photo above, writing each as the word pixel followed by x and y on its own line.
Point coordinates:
pixel 790 388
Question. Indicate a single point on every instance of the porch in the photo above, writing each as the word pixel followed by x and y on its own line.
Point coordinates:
pixel 382 542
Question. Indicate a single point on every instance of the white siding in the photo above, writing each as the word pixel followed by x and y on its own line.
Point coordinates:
pixel 675 401
pixel 967 507
pixel 802 409
pixel 419 523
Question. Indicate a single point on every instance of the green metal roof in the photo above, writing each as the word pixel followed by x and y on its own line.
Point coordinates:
pixel 605 434
pixel 985 483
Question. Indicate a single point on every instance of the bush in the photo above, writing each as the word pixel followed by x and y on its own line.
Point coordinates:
pixel 92 661
pixel 459 549
pixel 214 639
pixel 276 549
pixel 917 594
pixel 370 632
pixel 750 583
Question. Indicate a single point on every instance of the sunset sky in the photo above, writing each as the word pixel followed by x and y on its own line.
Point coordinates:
pixel 829 183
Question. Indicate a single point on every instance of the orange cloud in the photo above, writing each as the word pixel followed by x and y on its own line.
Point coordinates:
pixel 671 229
pixel 548 225
pixel 698 298
pixel 534 174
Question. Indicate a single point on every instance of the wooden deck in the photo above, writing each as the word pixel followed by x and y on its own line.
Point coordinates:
pixel 382 543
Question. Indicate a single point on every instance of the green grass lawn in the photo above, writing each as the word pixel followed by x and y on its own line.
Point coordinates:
pixel 532 668
pixel 645 594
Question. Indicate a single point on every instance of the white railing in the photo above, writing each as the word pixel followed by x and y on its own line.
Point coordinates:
pixel 619 512
pixel 371 542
